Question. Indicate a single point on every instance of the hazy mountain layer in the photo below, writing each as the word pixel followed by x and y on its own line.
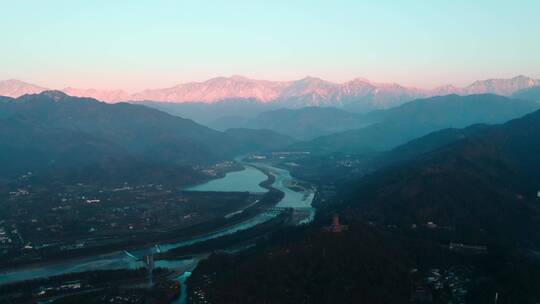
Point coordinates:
pixel 415 119
pixel 528 94
pixel 305 123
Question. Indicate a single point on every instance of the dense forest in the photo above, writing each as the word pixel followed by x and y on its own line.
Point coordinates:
pixel 453 224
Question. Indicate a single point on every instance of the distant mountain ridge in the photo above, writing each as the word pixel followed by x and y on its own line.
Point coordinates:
pixel 16 88
pixel 358 94
pixel 414 119
pixel 532 93
pixel 304 124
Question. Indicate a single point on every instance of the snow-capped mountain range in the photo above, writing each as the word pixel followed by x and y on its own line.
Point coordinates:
pixel 358 93
pixel 15 88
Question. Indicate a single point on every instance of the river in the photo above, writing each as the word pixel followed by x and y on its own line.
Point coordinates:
pixel 245 180
pixel 251 177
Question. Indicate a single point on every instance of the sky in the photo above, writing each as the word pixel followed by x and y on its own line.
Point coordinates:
pixel 134 45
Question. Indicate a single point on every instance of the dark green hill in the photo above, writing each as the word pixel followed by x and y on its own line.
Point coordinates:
pixel 483 187
pixel 5 99
pixel 478 186
pixel 428 143
pixel 68 136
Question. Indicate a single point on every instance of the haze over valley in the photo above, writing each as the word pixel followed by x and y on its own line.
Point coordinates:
pixel 131 172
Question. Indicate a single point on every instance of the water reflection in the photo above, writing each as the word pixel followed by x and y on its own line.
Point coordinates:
pixel 238 181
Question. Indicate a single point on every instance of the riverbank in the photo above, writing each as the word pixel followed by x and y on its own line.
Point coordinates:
pixel 242 238
pixel 140 241
pixel 242 230
pixel 112 253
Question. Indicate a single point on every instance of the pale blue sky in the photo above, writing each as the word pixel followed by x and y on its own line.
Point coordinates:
pixel 147 44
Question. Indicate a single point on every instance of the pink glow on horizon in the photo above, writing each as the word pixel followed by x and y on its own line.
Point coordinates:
pixel 221 88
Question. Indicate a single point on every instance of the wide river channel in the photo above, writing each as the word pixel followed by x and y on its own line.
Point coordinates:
pixel 245 180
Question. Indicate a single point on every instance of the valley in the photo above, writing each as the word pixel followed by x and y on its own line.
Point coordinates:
pixel 201 227
pixel 270 152
pixel 184 211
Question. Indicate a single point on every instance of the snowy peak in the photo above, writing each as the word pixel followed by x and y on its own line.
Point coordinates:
pixel 303 92
pixel 309 86
pixel 357 94
pixel 504 87
pixel 103 95
pixel 15 88
pixel 446 90
pixel 216 89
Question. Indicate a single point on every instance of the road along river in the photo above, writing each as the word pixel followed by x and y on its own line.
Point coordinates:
pixel 250 177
